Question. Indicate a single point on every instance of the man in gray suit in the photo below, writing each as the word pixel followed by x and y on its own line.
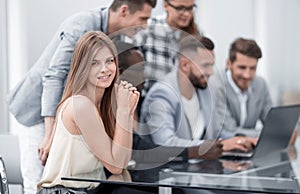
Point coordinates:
pixel 163 113
pixel 179 110
pixel 34 100
pixel 244 94
pixel 131 64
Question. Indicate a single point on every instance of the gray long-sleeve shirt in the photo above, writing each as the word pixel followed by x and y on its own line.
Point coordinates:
pixel 39 92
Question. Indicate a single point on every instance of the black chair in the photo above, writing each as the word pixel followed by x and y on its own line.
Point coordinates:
pixel 10 163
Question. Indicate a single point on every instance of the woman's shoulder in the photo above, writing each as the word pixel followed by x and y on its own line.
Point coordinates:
pixel 81 102
pixel 80 98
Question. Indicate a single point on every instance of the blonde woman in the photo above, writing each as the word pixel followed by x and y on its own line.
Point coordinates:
pixel 94 119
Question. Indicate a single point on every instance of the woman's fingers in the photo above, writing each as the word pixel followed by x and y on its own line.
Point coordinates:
pixel 132 89
pixel 128 86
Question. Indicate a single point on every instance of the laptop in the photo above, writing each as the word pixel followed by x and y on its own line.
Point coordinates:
pixel 275 135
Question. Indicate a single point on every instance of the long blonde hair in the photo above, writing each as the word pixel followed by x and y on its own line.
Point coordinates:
pixel 84 52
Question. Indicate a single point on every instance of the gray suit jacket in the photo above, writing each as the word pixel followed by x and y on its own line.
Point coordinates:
pixel 39 92
pixel 163 117
pixel 258 105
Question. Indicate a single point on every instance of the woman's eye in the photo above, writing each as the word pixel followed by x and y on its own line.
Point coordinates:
pixel 94 62
pixel 110 60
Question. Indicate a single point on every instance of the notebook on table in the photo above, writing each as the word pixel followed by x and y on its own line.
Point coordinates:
pixel 276 133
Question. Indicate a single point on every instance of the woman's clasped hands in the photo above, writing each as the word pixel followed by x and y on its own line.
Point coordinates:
pixel 127 97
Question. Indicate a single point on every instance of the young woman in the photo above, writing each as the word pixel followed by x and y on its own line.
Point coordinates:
pixel 94 119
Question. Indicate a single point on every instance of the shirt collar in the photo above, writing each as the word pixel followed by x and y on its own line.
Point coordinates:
pixel 236 89
pixel 104 20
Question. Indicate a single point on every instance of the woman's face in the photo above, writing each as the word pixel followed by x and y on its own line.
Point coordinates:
pixel 180 12
pixel 103 69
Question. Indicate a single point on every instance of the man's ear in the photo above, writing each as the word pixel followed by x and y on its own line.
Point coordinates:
pixel 165 5
pixel 123 11
pixel 228 64
pixel 184 63
pixel 120 71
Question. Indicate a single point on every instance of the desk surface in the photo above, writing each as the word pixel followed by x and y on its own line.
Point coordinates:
pixel 276 173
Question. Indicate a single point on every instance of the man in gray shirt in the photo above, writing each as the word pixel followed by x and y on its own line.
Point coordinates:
pixel 244 94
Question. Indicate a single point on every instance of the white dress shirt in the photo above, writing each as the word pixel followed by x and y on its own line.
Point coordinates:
pixel 242 96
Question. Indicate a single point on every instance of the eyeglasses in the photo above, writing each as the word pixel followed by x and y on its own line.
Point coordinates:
pixel 182 9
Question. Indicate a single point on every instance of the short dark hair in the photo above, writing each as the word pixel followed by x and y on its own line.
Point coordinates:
pixel 246 47
pixel 130 57
pixel 194 42
pixel 124 53
pixel 133 5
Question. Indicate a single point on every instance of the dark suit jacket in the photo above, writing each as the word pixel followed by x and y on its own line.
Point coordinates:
pixel 144 151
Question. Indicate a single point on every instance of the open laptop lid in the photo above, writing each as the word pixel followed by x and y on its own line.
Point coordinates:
pixel 278 129
pixel 276 133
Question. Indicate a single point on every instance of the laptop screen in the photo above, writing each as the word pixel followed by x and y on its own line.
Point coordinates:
pixel 278 129
pixel 276 133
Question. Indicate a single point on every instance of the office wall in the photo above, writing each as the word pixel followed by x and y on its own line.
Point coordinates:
pixel 274 24
pixel 278 28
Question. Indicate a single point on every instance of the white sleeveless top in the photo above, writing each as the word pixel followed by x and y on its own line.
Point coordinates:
pixel 70 157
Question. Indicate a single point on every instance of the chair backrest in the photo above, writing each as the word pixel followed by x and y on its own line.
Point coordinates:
pixel 10 153
pixel 3 179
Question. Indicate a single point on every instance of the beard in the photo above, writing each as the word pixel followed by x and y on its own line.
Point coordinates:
pixel 197 81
